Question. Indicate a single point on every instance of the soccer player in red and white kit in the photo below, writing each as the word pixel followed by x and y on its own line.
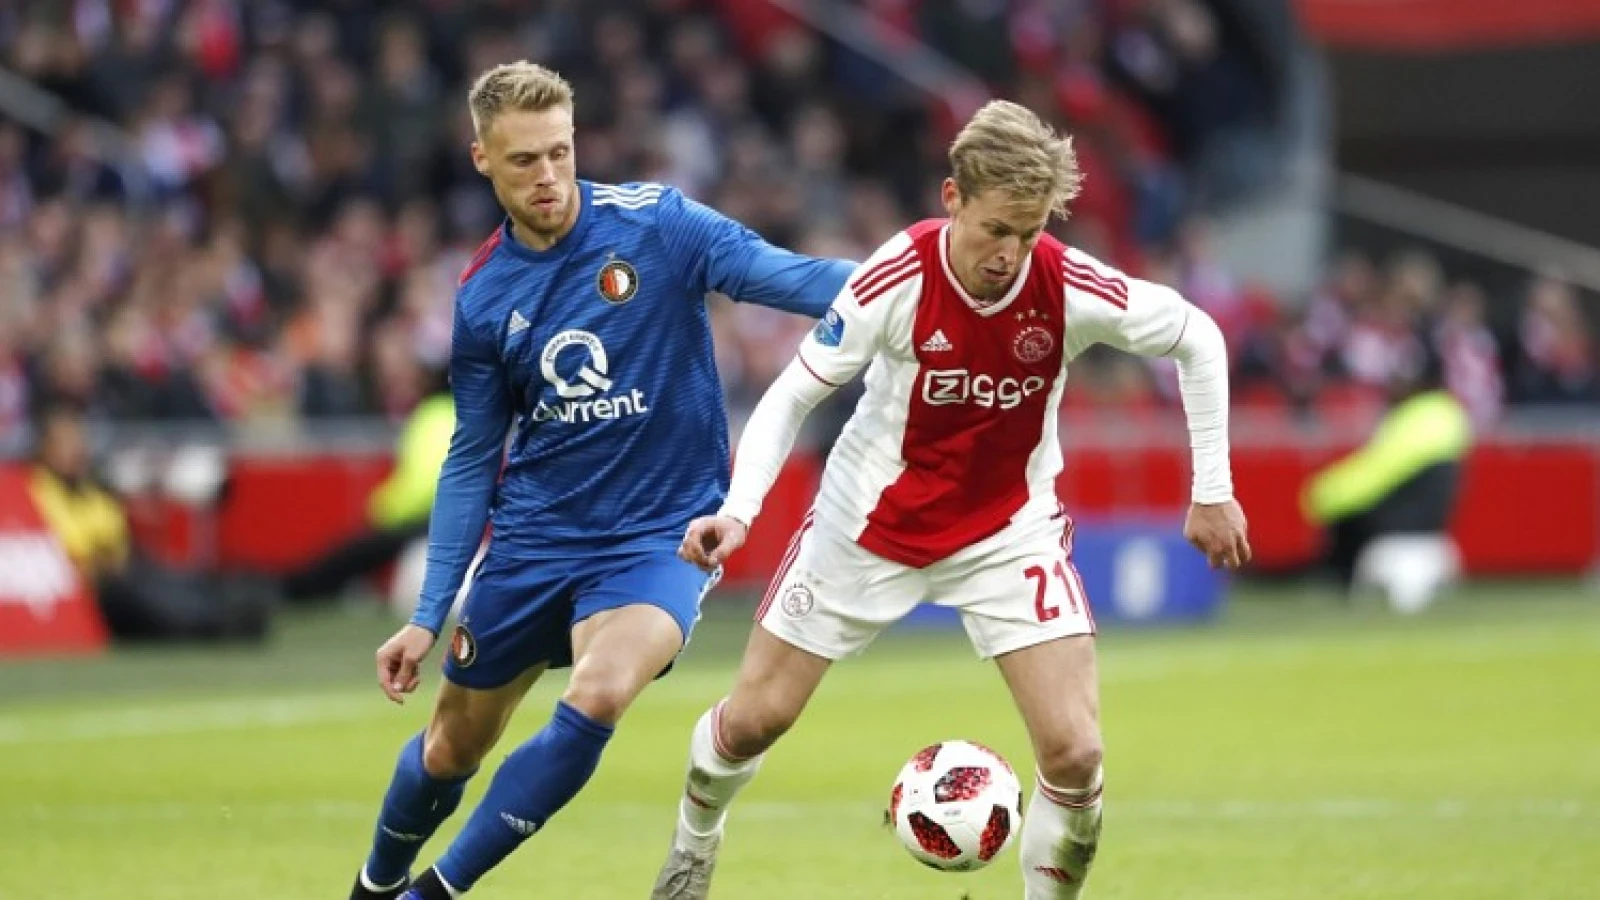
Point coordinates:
pixel 942 485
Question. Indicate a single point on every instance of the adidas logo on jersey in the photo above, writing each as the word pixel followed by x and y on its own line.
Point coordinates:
pixel 937 344
pixel 517 324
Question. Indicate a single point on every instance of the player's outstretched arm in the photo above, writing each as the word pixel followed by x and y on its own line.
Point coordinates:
pixel 733 260
pixel 768 437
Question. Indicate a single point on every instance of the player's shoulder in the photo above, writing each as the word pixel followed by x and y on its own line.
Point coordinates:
pixel 481 258
pixel 484 281
pixel 1084 275
pixel 897 264
pixel 633 201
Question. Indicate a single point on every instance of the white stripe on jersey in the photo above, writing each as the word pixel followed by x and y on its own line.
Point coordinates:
pixel 641 188
pixel 627 198
pixel 641 203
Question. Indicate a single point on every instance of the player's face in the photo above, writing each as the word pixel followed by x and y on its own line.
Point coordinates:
pixel 528 157
pixel 991 233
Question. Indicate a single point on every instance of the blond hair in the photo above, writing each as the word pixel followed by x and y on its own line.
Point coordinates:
pixel 1006 147
pixel 522 86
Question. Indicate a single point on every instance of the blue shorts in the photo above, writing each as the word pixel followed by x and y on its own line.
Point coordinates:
pixel 519 613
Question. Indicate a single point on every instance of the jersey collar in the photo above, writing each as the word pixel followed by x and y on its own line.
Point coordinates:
pixel 981 308
pixel 562 248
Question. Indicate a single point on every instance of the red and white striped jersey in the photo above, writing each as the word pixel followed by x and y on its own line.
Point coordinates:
pixel 956 435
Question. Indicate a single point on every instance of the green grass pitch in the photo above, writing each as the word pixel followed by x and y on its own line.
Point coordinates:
pixel 1297 749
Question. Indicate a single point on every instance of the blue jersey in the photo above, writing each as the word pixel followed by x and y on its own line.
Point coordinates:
pixel 595 356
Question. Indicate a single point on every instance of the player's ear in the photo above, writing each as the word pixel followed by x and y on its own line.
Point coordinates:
pixel 480 160
pixel 951 195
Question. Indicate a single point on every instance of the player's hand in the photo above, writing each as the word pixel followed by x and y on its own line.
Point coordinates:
pixel 710 540
pixel 1218 530
pixel 399 660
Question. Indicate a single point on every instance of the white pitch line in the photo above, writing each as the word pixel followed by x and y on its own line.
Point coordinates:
pixel 188 718
pixel 1328 809
pixel 45 726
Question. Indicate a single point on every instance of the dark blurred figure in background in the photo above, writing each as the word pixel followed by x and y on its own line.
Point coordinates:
pixel 1386 507
pixel 399 508
pixel 139 598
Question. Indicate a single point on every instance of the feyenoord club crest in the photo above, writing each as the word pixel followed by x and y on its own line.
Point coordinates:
pixel 617 282
pixel 463 647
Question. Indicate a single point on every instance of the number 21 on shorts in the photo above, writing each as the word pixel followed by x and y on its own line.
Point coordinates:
pixel 1042 607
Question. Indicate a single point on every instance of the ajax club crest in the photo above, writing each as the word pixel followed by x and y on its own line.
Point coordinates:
pixel 1033 342
pixel 617 282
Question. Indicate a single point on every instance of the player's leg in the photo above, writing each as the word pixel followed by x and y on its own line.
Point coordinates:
pixel 632 619
pixel 1056 690
pixel 1024 606
pixel 431 776
pixel 490 660
pixel 775 681
pixel 828 602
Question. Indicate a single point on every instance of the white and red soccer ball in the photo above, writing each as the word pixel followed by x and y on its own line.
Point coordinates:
pixel 956 805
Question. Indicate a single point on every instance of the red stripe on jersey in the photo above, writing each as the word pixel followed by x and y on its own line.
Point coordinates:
pixel 1083 595
pixel 1092 282
pixel 887 286
pixel 814 371
pixel 865 280
pixel 783 569
pixel 1112 282
pixel 481 256
pixel 1095 289
pixel 1181 332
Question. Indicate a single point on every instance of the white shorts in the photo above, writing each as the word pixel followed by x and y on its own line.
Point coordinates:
pixel 1018 588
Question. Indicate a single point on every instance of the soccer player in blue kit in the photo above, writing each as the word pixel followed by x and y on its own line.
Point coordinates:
pixel 581 331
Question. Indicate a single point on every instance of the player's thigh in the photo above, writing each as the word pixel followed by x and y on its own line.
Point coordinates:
pixel 516 617
pixel 657 579
pixel 617 652
pixel 1055 685
pixel 776 680
pixel 468 722
pixel 831 598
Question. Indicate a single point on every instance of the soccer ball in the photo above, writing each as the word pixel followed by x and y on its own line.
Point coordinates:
pixel 956 806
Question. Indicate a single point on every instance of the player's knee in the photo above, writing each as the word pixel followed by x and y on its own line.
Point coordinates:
pixel 603 697
pixel 449 756
pixel 1071 761
pixel 751 729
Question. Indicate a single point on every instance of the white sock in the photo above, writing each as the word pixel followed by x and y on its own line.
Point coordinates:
pixel 715 777
pixel 1057 828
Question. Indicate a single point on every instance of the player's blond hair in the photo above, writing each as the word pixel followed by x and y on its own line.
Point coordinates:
pixel 1006 147
pixel 521 86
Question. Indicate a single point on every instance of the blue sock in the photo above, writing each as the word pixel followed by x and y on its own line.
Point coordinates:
pixel 412 810
pixel 535 781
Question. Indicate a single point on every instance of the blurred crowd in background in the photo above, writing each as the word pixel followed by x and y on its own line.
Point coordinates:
pixel 282 239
